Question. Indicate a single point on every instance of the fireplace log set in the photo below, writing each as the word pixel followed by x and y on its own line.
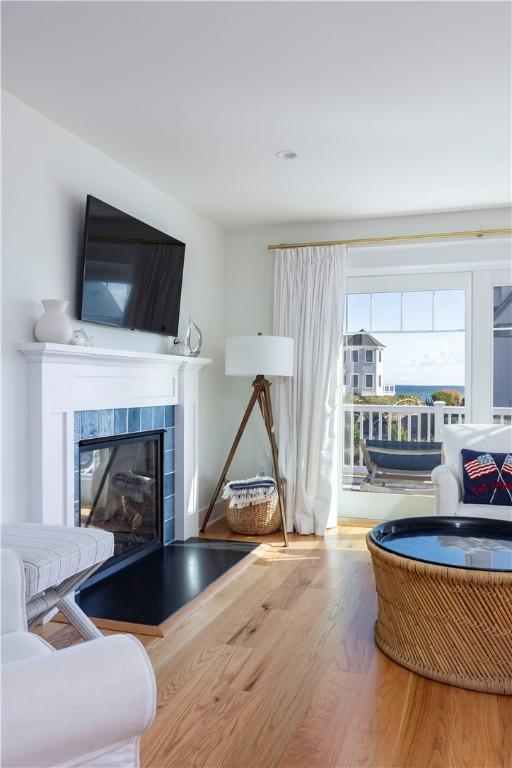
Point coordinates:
pixel 129 497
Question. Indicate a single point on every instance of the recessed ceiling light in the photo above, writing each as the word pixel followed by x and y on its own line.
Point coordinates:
pixel 286 154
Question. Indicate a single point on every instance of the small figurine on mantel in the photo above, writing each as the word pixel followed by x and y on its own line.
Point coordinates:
pixel 81 339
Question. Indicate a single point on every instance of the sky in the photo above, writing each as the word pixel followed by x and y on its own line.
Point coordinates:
pixel 410 356
pixel 423 358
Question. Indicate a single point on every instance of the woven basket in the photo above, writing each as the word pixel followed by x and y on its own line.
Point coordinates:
pixel 450 624
pixel 254 519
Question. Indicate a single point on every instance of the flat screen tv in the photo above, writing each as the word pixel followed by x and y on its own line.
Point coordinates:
pixel 132 273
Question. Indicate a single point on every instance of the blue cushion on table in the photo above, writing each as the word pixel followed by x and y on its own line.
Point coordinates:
pixel 487 477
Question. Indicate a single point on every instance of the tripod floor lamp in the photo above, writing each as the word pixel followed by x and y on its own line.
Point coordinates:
pixel 259 356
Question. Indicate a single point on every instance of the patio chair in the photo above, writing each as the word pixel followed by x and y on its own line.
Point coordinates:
pixel 395 461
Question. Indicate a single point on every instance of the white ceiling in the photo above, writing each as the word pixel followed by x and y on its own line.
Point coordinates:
pixel 393 107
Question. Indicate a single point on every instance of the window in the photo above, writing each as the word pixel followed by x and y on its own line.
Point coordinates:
pixel 386 309
pixel 418 310
pixel 344 378
pixel 358 311
pixel 345 356
pixel 406 311
pixel 502 346
pixel 420 349
pixel 355 355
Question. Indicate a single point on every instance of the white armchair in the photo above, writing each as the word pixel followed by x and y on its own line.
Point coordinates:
pixel 86 705
pixel 447 478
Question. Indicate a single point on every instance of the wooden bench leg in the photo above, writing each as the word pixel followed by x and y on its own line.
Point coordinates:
pixel 78 619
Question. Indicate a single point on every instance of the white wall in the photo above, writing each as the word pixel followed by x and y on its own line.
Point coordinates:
pixel 47 173
pixel 250 280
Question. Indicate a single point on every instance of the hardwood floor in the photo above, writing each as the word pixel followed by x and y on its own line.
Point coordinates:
pixel 280 669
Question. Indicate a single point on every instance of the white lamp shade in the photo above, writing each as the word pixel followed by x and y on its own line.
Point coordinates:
pixel 259 355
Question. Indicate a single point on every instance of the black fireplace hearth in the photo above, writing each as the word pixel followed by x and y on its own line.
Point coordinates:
pixel 148 592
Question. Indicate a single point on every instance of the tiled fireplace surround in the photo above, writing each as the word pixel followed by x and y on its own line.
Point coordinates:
pixel 77 393
pixel 130 421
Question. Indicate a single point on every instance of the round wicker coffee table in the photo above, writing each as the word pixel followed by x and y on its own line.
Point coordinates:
pixel 444 588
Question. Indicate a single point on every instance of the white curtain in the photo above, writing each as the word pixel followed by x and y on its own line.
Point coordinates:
pixel 309 295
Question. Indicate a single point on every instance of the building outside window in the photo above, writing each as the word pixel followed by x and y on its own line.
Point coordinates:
pixel 362 348
pixel 502 346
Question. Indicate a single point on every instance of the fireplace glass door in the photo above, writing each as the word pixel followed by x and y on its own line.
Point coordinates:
pixel 120 490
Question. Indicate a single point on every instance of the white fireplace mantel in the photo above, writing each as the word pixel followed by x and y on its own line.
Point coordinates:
pixel 64 378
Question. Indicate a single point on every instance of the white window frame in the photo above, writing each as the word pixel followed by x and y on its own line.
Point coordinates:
pixel 483 341
pixel 394 283
pixel 497 330
pixel 372 356
pixel 366 377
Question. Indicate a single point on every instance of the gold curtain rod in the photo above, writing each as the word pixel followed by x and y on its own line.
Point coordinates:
pixel 395 238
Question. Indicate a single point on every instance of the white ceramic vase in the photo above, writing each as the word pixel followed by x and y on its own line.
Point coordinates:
pixel 54 325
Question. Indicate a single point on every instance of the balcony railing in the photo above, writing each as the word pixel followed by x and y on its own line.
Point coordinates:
pixel 502 415
pixel 399 422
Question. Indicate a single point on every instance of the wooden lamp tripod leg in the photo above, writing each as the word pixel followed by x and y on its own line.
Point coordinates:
pixel 257 388
pixel 265 403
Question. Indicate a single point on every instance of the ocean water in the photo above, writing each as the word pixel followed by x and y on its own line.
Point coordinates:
pixel 425 391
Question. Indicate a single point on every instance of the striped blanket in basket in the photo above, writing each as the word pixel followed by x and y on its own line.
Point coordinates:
pixel 251 491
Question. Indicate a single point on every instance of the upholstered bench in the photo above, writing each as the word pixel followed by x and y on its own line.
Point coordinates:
pixel 56 560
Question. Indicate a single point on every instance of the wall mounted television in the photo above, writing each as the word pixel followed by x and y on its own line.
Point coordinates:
pixel 132 273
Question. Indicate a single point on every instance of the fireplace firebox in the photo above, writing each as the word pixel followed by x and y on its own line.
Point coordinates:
pixel 121 490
